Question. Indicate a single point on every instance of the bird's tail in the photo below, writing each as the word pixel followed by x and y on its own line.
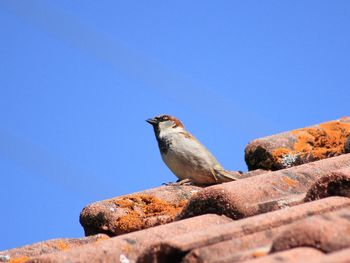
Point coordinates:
pixel 227 176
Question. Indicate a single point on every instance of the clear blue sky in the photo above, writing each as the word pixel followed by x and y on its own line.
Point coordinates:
pixel 79 78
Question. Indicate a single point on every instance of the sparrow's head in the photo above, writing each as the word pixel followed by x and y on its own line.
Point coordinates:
pixel 164 122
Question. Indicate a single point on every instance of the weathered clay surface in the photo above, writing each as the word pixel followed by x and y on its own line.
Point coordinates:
pixel 334 183
pixel 264 193
pixel 130 246
pixel 299 146
pixel 178 246
pixel 327 233
pixel 141 210
pixel 23 254
pixel 137 211
pixel 342 256
pixel 295 255
pixel 235 249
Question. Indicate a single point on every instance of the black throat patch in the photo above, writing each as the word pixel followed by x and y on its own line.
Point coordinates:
pixel 163 143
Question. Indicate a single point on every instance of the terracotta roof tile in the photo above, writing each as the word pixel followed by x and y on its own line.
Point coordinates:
pixel 342 256
pixel 136 211
pixel 328 233
pixel 295 255
pixel 130 245
pixel 324 233
pixel 299 146
pixel 263 193
pixel 333 183
pixel 235 249
pixel 24 253
pixel 181 244
pixel 140 210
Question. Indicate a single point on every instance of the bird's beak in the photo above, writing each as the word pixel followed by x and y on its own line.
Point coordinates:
pixel 152 121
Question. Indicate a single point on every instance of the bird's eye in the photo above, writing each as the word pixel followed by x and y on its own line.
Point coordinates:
pixel 165 118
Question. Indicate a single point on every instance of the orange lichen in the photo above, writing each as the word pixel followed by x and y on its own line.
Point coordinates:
pixel 19 259
pixel 326 140
pixel 319 142
pixel 284 157
pixel 140 207
pixel 101 238
pixel 61 245
pixel 289 181
pixel 126 249
pixel 130 222
pixel 278 153
pixel 261 252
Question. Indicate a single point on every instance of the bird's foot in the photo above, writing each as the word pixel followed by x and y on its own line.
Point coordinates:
pixel 179 182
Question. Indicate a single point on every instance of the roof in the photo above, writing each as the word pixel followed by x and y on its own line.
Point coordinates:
pixel 293 205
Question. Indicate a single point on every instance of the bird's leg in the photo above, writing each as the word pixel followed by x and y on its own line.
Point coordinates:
pixel 213 173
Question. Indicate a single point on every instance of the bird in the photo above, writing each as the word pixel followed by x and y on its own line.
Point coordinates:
pixel 185 156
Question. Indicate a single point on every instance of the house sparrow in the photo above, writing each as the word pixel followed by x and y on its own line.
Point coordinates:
pixel 185 156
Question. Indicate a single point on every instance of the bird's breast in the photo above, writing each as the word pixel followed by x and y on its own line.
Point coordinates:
pixel 187 158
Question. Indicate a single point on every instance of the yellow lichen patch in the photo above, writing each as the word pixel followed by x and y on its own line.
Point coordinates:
pixel 19 259
pixel 139 207
pixel 61 245
pixel 326 140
